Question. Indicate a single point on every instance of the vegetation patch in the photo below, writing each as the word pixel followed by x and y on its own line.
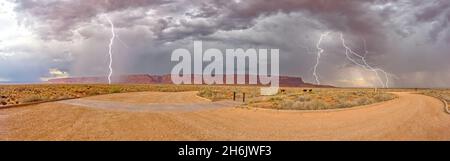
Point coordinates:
pixel 438 93
pixel 289 99
pixel 320 99
pixel 21 94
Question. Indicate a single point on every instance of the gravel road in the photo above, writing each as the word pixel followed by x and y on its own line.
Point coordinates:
pixel 410 117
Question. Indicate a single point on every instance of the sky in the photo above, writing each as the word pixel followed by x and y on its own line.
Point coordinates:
pixel 408 39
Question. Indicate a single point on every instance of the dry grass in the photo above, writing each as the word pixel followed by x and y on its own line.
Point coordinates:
pixel 297 99
pixel 292 98
pixel 319 99
pixel 20 94
pixel 216 93
pixel 443 94
pixel 439 93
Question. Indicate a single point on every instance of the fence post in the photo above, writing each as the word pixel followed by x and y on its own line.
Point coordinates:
pixel 243 97
pixel 234 96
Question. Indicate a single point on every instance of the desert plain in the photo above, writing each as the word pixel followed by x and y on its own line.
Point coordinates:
pixel 188 112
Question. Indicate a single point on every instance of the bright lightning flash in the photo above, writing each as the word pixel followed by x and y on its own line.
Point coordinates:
pixel 319 54
pixel 364 63
pixel 111 43
pixel 349 53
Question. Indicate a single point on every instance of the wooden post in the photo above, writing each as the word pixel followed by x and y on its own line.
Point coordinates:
pixel 243 97
pixel 234 96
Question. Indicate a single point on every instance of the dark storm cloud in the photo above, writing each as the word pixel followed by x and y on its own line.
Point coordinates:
pixel 57 17
pixel 396 33
pixel 431 12
pixel 352 17
pixel 342 15
pixel 435 12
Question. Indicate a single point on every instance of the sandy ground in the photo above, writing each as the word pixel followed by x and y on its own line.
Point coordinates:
pixel 150 101
pixel 410 117
pixel 3 118
pixel 153 97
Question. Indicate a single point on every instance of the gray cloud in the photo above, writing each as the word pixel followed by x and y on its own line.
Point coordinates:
pixel 405 37
pixel 53 18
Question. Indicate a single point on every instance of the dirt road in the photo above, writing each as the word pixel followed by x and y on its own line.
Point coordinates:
pixel 410 117
pixel 2 123
pixel 150 101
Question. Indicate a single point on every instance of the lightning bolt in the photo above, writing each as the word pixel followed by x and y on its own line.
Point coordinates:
pixel 111 43
pixel 319 54
pixel 349 53
pixel 386 77
pixel 364 63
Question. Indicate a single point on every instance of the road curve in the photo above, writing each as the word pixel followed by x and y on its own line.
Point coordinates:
pixel 410 117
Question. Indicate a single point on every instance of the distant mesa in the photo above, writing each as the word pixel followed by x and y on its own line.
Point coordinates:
pixel 285 81
pixel 123 79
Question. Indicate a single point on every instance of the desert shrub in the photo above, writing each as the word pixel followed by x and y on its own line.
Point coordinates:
pixel 342 96
pixel 343 104
pixel 358 93
pixel 274 99
pixel 446 97
pixel 362 101
pixel 315 105
pixel 64 97
pixel 207 93
pixel 304 98
pixel 286 104
pixel 32 98
pixel 443 94
pixel 92 92
pixel 115 90
pixel 298 105
pixel 382 97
